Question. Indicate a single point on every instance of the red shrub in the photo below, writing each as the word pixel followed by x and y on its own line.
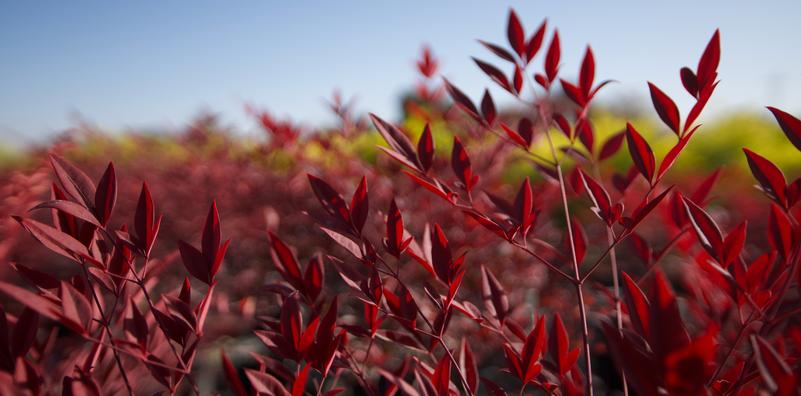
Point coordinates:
pixel 444 291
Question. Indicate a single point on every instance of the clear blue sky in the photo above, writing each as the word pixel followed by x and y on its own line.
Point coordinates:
pixel 156 64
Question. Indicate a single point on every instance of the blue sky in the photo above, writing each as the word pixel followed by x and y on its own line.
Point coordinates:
pixel 156 64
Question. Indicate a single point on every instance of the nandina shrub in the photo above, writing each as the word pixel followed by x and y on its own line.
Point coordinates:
pixel 444 276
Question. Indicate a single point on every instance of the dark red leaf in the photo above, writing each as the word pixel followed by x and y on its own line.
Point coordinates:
pixel 145 223
pixel 602 205
pixel 462 100
pixel 495 299
pixel 467 364
pixel 641 153
pixel 499 51
pixel 789 124
pixel 441 378
pixel 24 334
pixel 425 149
pixel 70 208
pixel 579 240
pixel 780 231
pixel 689 81
pixel 553 57
pixel 359 206
pixel 488 108
pixel 638 305
pixel 611 146
pixel 587 73
pixel 54 239
pixel 708 64
pixel 535 41
pixel 733 244
pixel 494 73
pixel 75 182
pixel 266 383
pixel 231 375
pixel 666 108
pixel 705 228
pixel 394 241
pixel 330 199
pixel 515 34
pixel 460 162
pixel 769 176
pixel 397 140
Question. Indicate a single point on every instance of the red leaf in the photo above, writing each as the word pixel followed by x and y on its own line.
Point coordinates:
pixel 106 194
pixel 638 305
pixel 518 80
pixel 495 298
pixel 54 239
pixel 425 149
pixel 460 162
pixel 705 228
pixel 285 261
pixel 441 255
pixel 574 93
pixel 265 383
pixel 70 208
pixel 776 373
pixel 641 153
pixel 559 348
pixel 532 349
pixel 494 73
pixel 708 64
pixel 667 328
pixel 733 244
pixel 535 41
pixel 313 278
pixel 579 241
pixel 600 198
pixel 514 32
pixel 194 261
pixel 232 376
pixel 611 146
pixel 769 176
pixel 394 241
pixel 145 223
pixel 467 364
pixel 74 181
pixel 587 73
pixel 524 206
pixel 41 305
pixel 441 378
pixel 789 124
pixel 512 134
pixel 396 139
pixel 689 81
pixel 780 231
pixel 299 385
pixel 666 108
pixel 462 100
pixel 488 108
pixel 24 334
pixel 526 130
pixel 553 57
pixel 359 206
pixel 330 199
pixel 499 51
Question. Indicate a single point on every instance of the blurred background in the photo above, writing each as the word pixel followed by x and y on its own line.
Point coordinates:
pixel 153 66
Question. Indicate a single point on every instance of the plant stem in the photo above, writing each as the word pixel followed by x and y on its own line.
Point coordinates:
pixel 105 324
pixel 577 272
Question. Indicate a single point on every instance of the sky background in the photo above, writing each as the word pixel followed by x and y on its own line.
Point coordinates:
pixel 154 65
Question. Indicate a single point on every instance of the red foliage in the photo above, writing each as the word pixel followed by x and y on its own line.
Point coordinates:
pixel 719 319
